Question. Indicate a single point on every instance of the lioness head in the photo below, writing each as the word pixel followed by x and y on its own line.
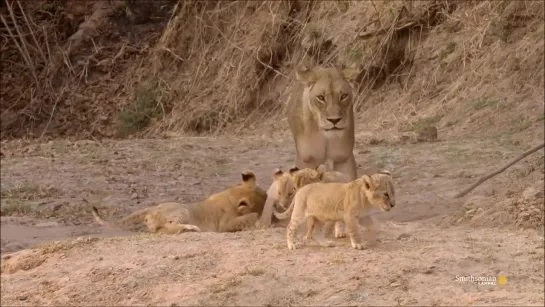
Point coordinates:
pixel 379 190
pixel 247 195
pixel 329 96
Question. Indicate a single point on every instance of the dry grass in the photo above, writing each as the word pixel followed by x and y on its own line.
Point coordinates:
pixel 103 69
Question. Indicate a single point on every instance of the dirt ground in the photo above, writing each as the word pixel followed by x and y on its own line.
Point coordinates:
pixel 425 243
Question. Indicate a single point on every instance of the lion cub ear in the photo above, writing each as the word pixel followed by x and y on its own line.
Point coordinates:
pixel 305 75
pixel 277 173
pixel 243 206
pixel 293 170
pixel 322 168
pixel 367 182
pixel 248 178
pixel 385 172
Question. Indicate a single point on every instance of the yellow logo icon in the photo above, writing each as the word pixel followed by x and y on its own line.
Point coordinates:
pixel 502 280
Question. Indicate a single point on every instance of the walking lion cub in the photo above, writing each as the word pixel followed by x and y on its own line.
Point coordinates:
pixel 347 202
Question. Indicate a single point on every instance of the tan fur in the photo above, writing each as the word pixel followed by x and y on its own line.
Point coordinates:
pixel 321 120
pixel 234 209
pixel 339 202
pixel 298 178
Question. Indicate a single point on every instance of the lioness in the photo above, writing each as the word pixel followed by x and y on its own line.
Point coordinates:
pixel 234 209
pixel 340 201
pixel 321 120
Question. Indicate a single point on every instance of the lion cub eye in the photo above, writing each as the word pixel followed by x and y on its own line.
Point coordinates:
pixel 343 96
pixel 320 97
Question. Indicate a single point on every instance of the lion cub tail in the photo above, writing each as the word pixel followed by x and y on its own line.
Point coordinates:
pixel 135 218
pixel 284 215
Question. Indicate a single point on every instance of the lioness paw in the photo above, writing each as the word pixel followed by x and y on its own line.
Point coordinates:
pixel 291 246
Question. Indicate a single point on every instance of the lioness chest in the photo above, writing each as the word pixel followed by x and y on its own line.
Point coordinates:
pixel 314 149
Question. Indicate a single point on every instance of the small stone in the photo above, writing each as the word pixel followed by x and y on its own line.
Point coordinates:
pixel 403 236
pixel 134 195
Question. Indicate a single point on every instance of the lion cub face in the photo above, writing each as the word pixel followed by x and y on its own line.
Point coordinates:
pixel 379 190
pixel 154 221
pixel 288 183
pixel 328 96
pixel 285 187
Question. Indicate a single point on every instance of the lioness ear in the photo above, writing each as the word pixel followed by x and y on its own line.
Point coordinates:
pixel 293 170
pixel 248 177
pixel 305 75
pixel 277 173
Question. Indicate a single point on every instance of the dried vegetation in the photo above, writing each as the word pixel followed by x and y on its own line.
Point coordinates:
pixel 118 68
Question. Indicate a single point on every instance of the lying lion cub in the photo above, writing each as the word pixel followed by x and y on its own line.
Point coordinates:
pixel 234 209
pixel 339 202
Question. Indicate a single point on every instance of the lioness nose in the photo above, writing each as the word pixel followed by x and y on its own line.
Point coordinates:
pixel 334 120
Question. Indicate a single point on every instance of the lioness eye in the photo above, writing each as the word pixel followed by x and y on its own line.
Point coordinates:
pixel 343 96
pixel 386 195
pixel 320 97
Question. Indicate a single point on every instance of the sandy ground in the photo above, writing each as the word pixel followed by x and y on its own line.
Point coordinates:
pixel 47 191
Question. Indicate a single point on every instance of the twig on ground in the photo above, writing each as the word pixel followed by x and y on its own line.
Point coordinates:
pixel 494 173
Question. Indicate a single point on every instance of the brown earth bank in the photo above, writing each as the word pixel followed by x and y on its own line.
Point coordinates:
pixel 125 104
pixel 101 69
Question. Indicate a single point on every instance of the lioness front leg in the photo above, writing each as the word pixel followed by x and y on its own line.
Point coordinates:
pixel 231 224
pixel 348 168
pixel 352 227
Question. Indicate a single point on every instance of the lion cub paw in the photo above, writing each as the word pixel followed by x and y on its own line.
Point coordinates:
pixel 357 245
pixel 340 234
pixel 191 228
pixel 292 246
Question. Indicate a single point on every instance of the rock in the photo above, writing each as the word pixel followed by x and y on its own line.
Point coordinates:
pixel 48 224
pixel 532 193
